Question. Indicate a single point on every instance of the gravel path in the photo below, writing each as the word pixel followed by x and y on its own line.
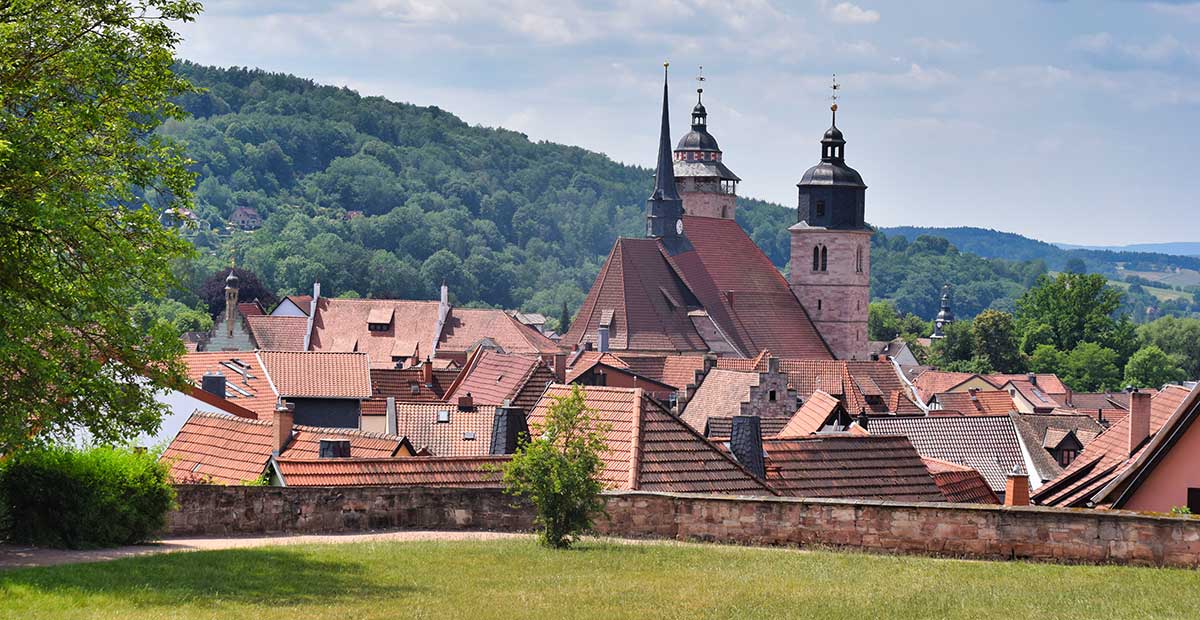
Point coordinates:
pixel 13 556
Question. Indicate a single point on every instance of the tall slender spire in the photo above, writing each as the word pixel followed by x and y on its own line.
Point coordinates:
pixel 664 175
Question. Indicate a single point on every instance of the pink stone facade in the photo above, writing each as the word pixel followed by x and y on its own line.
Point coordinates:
pixel 705 199
pixel 1167 485
pixel 836 294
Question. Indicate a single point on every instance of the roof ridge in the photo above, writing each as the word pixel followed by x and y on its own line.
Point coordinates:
pixel 357 432
pixel 228 416
pixel 392 459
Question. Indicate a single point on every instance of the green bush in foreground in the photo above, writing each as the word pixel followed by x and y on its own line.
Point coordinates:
pixel 557 471
pixel 97 497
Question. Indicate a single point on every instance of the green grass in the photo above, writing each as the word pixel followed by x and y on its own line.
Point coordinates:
pixel 515 578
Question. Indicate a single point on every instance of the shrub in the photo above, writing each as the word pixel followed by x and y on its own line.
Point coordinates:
pixel 558 470
pixel 97 497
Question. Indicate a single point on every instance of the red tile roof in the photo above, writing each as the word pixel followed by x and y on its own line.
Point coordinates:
pixel 810 418
pixel 933 382
pixel 1047 382
pixel 849 466
pixel 246 383
pixel 398 383
pixel 1035 394
pixel 311 374
pixel 979 402
pixel 470 472
pixel 960 484
pixel 250 308
pixel 278 333
pixel 341 325
pixel 652 450
pixel 720 395
pixel 468 432
pixel 1106 456
pixel 677 371
pixel 492 378
pixel 466 327
pixel 304 302
pixel 988 444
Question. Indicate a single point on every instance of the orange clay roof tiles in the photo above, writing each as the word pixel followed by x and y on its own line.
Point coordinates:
pixel 980 402
pixel 811 416
pixel 849 466
pixel 467 432
pixel 308 374
pixel 470 472
pixel 278 333
pixel 652 450
pixel 341 325
pixel 719 395
pixel 466 327
pixel 398 383
pixel 492 378
pixel 246 383
pixel 960 484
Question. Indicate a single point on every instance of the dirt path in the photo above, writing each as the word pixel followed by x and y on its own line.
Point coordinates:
pixel 13 556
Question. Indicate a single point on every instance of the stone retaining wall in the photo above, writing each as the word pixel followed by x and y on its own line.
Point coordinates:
pixel 992 532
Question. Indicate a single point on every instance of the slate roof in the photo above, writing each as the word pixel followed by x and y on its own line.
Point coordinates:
pixel 1036 428
pixel 810 417
pixel 278 333
pixel 308 374
pixel 849 466
pixel 976 402
pixel 492 378
pixel 960 484
pixel 987 444
pixel 230 450
pixel 652 450
pixel 246 383
pixel 397 383
pixel 1106 456
pixel 469 472
pixel 467 433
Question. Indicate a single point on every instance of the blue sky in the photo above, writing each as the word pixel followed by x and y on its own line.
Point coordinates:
pixel 1066 121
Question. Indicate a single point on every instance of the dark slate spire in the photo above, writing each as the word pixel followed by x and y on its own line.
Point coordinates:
pixel 664 208
pixel 945 316
pixel 832 194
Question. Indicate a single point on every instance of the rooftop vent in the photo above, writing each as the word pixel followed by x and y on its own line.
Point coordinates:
pixel 468 436
pixel 443 416
pixel 335 448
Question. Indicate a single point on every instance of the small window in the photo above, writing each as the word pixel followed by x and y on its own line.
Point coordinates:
pixel 1194 501
pixel 468 436
pixel 858 259
pixel 820 208
pixel 816 258
pixel 1066 456
pixel 443 416
pixel 771 396
pixel 824 258
pixel 414 388
pixel 334 448
pixel 818 304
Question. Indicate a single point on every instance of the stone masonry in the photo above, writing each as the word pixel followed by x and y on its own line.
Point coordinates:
pixel 956 530
pixel 771 398
pixel 835 297
pixel 704 198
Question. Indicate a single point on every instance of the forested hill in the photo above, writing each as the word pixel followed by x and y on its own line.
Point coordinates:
pixel 502 220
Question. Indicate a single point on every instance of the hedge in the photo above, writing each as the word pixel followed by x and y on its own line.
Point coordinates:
pixel 79 499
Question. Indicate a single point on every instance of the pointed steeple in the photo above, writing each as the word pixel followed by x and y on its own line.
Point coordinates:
pixel 664 208
pixel 664 174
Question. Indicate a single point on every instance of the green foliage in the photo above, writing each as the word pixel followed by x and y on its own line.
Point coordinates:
pixel 1046 359
pixel 174 314
pixel 1180 511
pixel 83 86
pixel 96 497
pixel 212 290
pixel 1076 308
pixel 885 323
pixel 1150 367
pixel 558 470
pixel 1090 367
pixel 1178 338
pixel 995 340
pixel 958 345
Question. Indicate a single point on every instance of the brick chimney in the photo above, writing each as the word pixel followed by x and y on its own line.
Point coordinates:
pixel 507 428
pixel 1032 379
pixel 427 373
pixel 466 402
pixel 560 368
pixel 1016 488
pixel 745 443
pixel 281 424
pixel 213 383
pixel 1139 419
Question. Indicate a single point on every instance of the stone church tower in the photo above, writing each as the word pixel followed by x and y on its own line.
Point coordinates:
pixel 707 187
pixel 831 249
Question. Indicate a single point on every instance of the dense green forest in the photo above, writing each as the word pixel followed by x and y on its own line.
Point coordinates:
pixel 383 199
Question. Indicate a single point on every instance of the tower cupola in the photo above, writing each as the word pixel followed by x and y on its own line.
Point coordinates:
pixel 831 193
pixel 709 188
pixel 945 315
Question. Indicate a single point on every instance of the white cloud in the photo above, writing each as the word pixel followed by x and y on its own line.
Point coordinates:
pixel 1095 43
pixel 1189 11
pixel 849 13
pixel 936 47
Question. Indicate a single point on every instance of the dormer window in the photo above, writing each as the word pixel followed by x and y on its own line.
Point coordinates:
pixel 443 416
pixel 380 319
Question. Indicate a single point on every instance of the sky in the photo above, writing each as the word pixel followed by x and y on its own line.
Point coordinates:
pixel 1067 121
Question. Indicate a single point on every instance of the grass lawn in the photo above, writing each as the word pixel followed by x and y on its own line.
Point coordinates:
pixel 515 578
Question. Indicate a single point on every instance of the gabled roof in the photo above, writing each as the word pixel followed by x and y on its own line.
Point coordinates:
pixel 987 444
pixel 468 472
pixel 677 371
pixel 278 333
pixel 341 325
pixel 467 432
pixel 246 383
pixel 932 382
pixel 960 484
pixel 398 383
pixel 810 418
pixel 1034 393
pixel 492 378
pixel 311 374
pixel 720 395
pixel 1121 489
pixel 976 402
pixel 849 466
pixel 1107 456
pixel 250 308
pixel 466 327
pixel 1098 400
pixel 303 302
pixel 1036 429
pixel 652 450
pixel 1046 382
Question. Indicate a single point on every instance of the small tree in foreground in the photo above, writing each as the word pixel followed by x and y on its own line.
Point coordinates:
pixel 557 470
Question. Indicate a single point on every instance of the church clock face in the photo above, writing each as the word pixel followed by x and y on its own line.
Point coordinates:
pixel 679 227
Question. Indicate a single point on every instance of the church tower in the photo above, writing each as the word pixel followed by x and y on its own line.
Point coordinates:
pixel 831 248
pixel 708 188
pixel 664 208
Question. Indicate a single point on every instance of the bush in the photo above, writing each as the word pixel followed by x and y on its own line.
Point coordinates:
pixel 78 499
pixel 558 471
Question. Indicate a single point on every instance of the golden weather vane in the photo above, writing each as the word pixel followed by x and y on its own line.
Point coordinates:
pixel 835 87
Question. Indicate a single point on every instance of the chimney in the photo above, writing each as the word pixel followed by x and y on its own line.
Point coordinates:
pixel 863 420
pixel 444 295
pixel 507 428
pixel 710 361
pixel 391 415
pixel 560 368
pixel 745 442
pixel 213 383
pixel 602 338
pixel 466 402
pixel 1032 379
pixel 281 423
pixel 1016 488
pixel 427 372
pixel 729 298
pixel 1139 419
pixel 773 365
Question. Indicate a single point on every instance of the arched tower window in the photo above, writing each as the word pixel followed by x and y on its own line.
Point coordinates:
pixel 858 259
pixel 820 208
pixel 816 258
pixel 824 258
